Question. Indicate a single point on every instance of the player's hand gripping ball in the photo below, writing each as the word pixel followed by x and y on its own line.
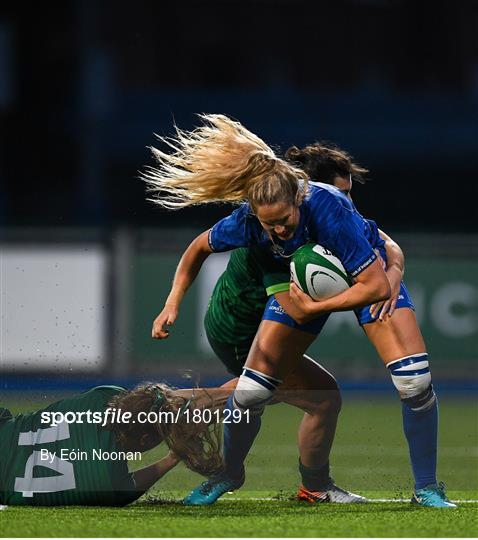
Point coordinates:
pixel 318 273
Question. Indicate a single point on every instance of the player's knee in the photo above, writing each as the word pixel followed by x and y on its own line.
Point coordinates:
pixel 328 403
pixel 254 391
pixel 412 378
pixel 332 398
pixel 334 401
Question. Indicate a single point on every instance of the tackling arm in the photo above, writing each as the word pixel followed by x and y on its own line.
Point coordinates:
pixel 208 398
pixel 395 256
pixel 395 270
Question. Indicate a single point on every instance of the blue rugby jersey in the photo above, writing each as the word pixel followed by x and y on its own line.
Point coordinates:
pixel 327 217
pixel 375 239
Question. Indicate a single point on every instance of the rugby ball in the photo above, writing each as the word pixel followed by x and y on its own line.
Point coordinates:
pixel 317 272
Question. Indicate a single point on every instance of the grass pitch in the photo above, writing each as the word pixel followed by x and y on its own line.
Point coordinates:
pixel 243 518
pixel 369 457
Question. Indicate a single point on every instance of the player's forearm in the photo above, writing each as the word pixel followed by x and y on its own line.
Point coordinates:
pixel 359 295
pixel 188 268
pixel 147 476
pixel 208 398
pixel 290 308
pixel 395 256
pixel 371 285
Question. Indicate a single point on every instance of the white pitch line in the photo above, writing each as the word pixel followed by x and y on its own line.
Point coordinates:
pixel 461 501
pixel 458 501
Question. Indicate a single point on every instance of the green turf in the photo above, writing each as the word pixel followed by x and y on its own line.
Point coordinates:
pixel 369 457
pixel 243 519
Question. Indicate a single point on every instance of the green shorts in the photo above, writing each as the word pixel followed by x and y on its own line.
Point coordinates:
pixel 233 356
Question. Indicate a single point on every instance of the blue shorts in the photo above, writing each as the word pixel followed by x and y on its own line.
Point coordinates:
pixel 404 301
pixel 275 312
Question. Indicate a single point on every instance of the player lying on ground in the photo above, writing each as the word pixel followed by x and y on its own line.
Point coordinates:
pixel 54 462
pixel 222 161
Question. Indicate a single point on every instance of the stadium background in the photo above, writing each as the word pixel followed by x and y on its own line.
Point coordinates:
pixel 86 261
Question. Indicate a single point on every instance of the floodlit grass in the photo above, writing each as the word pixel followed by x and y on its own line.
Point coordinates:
pixel 369 457
pixel 242 518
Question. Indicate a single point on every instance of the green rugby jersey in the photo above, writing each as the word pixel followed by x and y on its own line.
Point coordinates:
pixel 240 295
pixel 27 478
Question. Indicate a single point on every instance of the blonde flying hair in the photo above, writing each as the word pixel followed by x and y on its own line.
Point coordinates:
pixel 221 161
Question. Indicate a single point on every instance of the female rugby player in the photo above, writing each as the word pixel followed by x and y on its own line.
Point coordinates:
pixel 48 463
pixel 397 339
pixel 222 161
pixel 233 316
pixel 234 313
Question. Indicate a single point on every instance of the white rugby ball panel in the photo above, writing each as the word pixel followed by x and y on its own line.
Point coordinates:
pixel 318 272
pixel 323 282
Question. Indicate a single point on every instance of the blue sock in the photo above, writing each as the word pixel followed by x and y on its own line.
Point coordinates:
pixel 238 439
pixel 421 431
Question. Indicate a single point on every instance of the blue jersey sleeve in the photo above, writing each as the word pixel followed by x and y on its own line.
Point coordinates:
pixel 376 241
pixel 234 231
pixel 340 228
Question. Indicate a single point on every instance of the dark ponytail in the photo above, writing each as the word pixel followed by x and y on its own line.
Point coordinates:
pixel 324 161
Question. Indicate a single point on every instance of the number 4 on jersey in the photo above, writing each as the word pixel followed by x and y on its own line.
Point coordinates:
pixel 28 485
